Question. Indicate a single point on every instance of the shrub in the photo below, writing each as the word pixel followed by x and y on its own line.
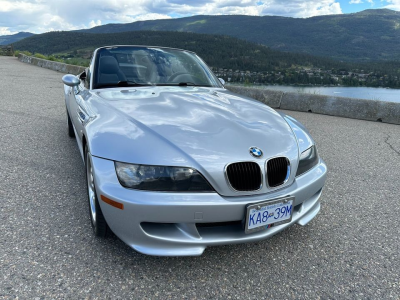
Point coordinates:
pixel 16 52
pixel 38 55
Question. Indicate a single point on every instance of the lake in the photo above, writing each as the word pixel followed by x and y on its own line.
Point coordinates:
pixel 382 94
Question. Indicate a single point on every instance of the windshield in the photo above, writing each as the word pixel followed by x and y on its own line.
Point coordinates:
pixel 137 66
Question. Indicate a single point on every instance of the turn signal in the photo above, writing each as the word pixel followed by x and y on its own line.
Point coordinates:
pixel 112 202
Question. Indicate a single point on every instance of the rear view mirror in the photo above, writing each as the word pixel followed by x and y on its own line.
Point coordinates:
pixel 71 80
pixel 222 81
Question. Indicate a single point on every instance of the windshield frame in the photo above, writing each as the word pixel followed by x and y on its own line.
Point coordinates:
pixel 206 69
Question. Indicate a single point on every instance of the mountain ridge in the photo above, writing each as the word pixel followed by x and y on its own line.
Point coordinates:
pixel 239 60
pixel 12 38
pixel 229 48
pixel 371 34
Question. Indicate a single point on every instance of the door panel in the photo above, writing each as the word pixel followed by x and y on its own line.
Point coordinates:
pixel 77 114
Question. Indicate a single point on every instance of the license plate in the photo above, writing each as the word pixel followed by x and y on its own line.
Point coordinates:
pixel 263 215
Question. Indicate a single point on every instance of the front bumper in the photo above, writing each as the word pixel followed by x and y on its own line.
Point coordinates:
pixel 173 224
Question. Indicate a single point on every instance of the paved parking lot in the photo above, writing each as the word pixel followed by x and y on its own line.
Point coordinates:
pixel 47 250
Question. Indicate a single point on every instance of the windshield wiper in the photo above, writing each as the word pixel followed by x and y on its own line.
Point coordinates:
pixel 182 84
pixel 119 84
pixel 126 83
pixel 187 83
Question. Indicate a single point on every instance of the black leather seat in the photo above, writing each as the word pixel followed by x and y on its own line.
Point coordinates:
pixel 109 70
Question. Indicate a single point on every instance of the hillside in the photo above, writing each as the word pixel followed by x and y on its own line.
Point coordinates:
pixel 240 60
pixel 9 39
pixel 217 51
pixel 363 36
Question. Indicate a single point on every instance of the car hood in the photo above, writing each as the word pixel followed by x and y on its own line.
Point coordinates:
pixel 202 128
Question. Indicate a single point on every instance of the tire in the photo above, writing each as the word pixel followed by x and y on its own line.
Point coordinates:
pixel 99 224
pixel 71 132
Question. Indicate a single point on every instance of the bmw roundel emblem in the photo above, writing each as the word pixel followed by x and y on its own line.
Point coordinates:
pixel 256 152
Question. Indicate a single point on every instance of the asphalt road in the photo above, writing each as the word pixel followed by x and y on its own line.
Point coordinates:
pixel 47 250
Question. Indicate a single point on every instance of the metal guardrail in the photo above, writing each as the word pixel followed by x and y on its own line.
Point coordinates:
pixel 7 50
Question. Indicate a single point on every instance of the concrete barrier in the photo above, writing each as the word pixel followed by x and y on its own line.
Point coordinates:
pixel 52 65
pixel 371 110
pixel 362 109
pixel 269 97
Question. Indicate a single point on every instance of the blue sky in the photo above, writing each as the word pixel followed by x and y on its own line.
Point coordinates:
pixel 355 7
pixel 39 16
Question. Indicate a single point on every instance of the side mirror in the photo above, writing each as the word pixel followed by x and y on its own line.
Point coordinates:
pixel 71 80
pixel 222 81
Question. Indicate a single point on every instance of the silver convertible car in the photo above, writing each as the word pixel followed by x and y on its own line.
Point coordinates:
pixel 175 162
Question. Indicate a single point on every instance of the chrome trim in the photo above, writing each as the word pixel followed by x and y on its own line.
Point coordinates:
pixel 289 172
pixel 81 116
pixel 229 183
pixel 84 115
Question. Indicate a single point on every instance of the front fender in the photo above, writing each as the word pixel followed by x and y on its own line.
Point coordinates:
pixel 303 137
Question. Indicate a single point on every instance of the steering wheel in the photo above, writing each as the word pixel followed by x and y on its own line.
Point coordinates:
pixel 173 76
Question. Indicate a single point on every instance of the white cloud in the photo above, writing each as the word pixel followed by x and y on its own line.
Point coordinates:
pixel 361 1
pixel 393 4
pixel 6 31
pixel 301 9
pixel 150 16
pixel 94 23
pixel 45 15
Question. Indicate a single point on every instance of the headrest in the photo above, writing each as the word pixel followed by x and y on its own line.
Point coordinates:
pixel 109 65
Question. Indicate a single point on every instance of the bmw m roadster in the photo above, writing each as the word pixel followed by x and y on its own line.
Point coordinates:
pixel 176 163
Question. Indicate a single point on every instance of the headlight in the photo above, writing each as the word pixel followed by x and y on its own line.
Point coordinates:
pixel 308 159
pixel 158 178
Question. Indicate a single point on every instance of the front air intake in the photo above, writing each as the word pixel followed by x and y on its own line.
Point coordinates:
pixel 244 176
pixel 278 171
